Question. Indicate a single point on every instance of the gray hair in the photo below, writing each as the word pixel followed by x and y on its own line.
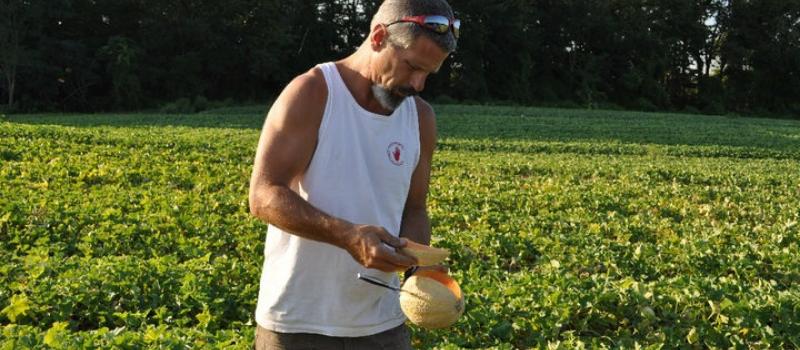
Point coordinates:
pixel 403 34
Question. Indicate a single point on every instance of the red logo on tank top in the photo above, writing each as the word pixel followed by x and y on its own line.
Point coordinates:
pixel 395 153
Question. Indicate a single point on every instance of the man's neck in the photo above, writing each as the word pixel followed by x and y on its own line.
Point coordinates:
pixel 356 73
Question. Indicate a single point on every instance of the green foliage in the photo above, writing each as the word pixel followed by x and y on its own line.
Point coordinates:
pixel 569 229
pixel 715 55
pixel 17 306
pixel 762 58
pixel 122 56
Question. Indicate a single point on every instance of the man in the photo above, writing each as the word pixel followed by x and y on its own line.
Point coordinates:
pixel 341 175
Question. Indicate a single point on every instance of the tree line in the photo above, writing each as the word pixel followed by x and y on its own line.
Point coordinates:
pixel 710 56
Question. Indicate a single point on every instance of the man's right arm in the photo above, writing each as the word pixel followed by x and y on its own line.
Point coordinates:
pixel 287 144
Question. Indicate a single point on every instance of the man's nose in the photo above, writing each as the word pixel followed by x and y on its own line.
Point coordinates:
pixel 418 81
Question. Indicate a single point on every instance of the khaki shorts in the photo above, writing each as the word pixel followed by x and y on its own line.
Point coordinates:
pixel 397 338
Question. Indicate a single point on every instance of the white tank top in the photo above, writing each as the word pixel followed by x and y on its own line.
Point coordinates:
pixel 361 172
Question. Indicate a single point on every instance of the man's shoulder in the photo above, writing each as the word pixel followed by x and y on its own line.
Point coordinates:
pixel 424 109
pixel 310 86
pixel 302 101
pixel 427 122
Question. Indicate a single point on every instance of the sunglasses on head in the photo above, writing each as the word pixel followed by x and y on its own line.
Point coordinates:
pixel 436 23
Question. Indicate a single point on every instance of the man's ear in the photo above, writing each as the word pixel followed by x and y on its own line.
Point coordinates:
pixel 378 36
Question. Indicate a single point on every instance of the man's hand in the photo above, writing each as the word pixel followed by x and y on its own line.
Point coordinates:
pixel 366 244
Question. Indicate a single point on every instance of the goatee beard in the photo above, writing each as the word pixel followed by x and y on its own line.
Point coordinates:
pixel 388 99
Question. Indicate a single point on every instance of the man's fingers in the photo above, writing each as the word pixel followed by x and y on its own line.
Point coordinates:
pixel 416 262
pixel 385 264
pixel 393 241
pixel 378 250
pixel 401 260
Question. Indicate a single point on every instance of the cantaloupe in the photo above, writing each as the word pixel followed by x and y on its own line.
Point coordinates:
pixel 431 299
pixel 425 255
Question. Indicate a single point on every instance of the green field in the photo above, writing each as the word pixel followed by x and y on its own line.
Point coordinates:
pixel 569 229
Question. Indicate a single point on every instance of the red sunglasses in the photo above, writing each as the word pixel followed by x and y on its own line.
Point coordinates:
pixel 436 23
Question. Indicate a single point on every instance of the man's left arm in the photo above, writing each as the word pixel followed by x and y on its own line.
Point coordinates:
pixel 416 225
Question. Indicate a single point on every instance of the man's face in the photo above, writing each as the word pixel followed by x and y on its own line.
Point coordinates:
pixel 402 72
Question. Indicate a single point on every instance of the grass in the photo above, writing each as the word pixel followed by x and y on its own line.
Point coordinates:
pixel 569 229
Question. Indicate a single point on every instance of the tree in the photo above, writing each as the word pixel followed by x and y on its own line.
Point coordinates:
pixel 18 19
pixel 760 54
pixel 122 56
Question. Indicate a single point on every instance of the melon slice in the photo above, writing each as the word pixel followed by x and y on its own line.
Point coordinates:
pixel 425 255
pixel 431 299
